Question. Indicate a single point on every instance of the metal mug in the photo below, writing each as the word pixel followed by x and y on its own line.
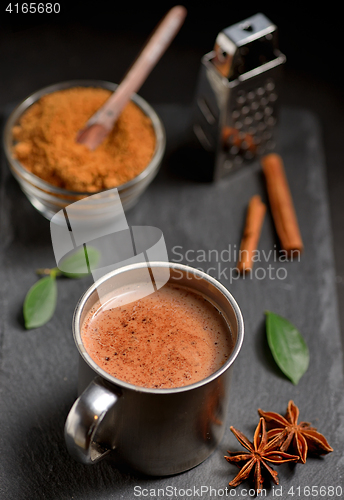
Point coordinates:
pixel 157 432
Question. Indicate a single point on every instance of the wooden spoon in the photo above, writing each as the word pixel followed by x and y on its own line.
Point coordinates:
pixel 102 122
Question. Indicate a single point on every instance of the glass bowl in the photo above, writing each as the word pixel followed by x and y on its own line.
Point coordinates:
pixel 49 199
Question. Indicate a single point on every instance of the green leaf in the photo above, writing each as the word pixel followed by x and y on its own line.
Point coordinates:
pixel 288 348
pixel 40 302
pixel 76 264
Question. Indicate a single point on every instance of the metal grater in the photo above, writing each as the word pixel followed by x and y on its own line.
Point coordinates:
pixel 235 108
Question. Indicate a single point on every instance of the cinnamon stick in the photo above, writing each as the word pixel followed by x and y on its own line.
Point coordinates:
pixel 249 242
pixel 232 136
pixel 281 203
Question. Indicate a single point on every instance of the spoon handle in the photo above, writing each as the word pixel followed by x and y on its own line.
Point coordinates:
pixel 157 44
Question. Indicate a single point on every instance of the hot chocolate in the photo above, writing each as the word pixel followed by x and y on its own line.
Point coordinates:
pixel 171 338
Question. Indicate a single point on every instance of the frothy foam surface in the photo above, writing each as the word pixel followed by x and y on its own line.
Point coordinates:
pixel 171 338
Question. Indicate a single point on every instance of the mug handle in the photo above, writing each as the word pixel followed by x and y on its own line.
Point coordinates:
pixel 85 430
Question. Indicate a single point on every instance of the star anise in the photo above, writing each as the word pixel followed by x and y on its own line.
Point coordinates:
pixel 256 459
pixel 299 438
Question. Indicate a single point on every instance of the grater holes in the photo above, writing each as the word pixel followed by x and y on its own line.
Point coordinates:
pixel 241 97
pixel 264 102
pixel 269 85
pixel 266 135
pixel 249 155
pixel 228 165
pixel 258 116
pixel 252 117
pixel 237 161
pixel 244 145
pixel 270 120
pixel 234 150
pixel 241 100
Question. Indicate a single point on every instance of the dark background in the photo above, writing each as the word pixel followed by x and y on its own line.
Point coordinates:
pixel 100 39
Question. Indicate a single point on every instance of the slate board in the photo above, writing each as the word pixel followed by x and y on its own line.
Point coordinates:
pixel 38 370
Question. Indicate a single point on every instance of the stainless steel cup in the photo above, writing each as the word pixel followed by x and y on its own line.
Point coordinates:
pixel 154 431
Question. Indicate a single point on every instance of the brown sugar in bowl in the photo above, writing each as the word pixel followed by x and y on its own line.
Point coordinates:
pixel 54 171
pixel 46 143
